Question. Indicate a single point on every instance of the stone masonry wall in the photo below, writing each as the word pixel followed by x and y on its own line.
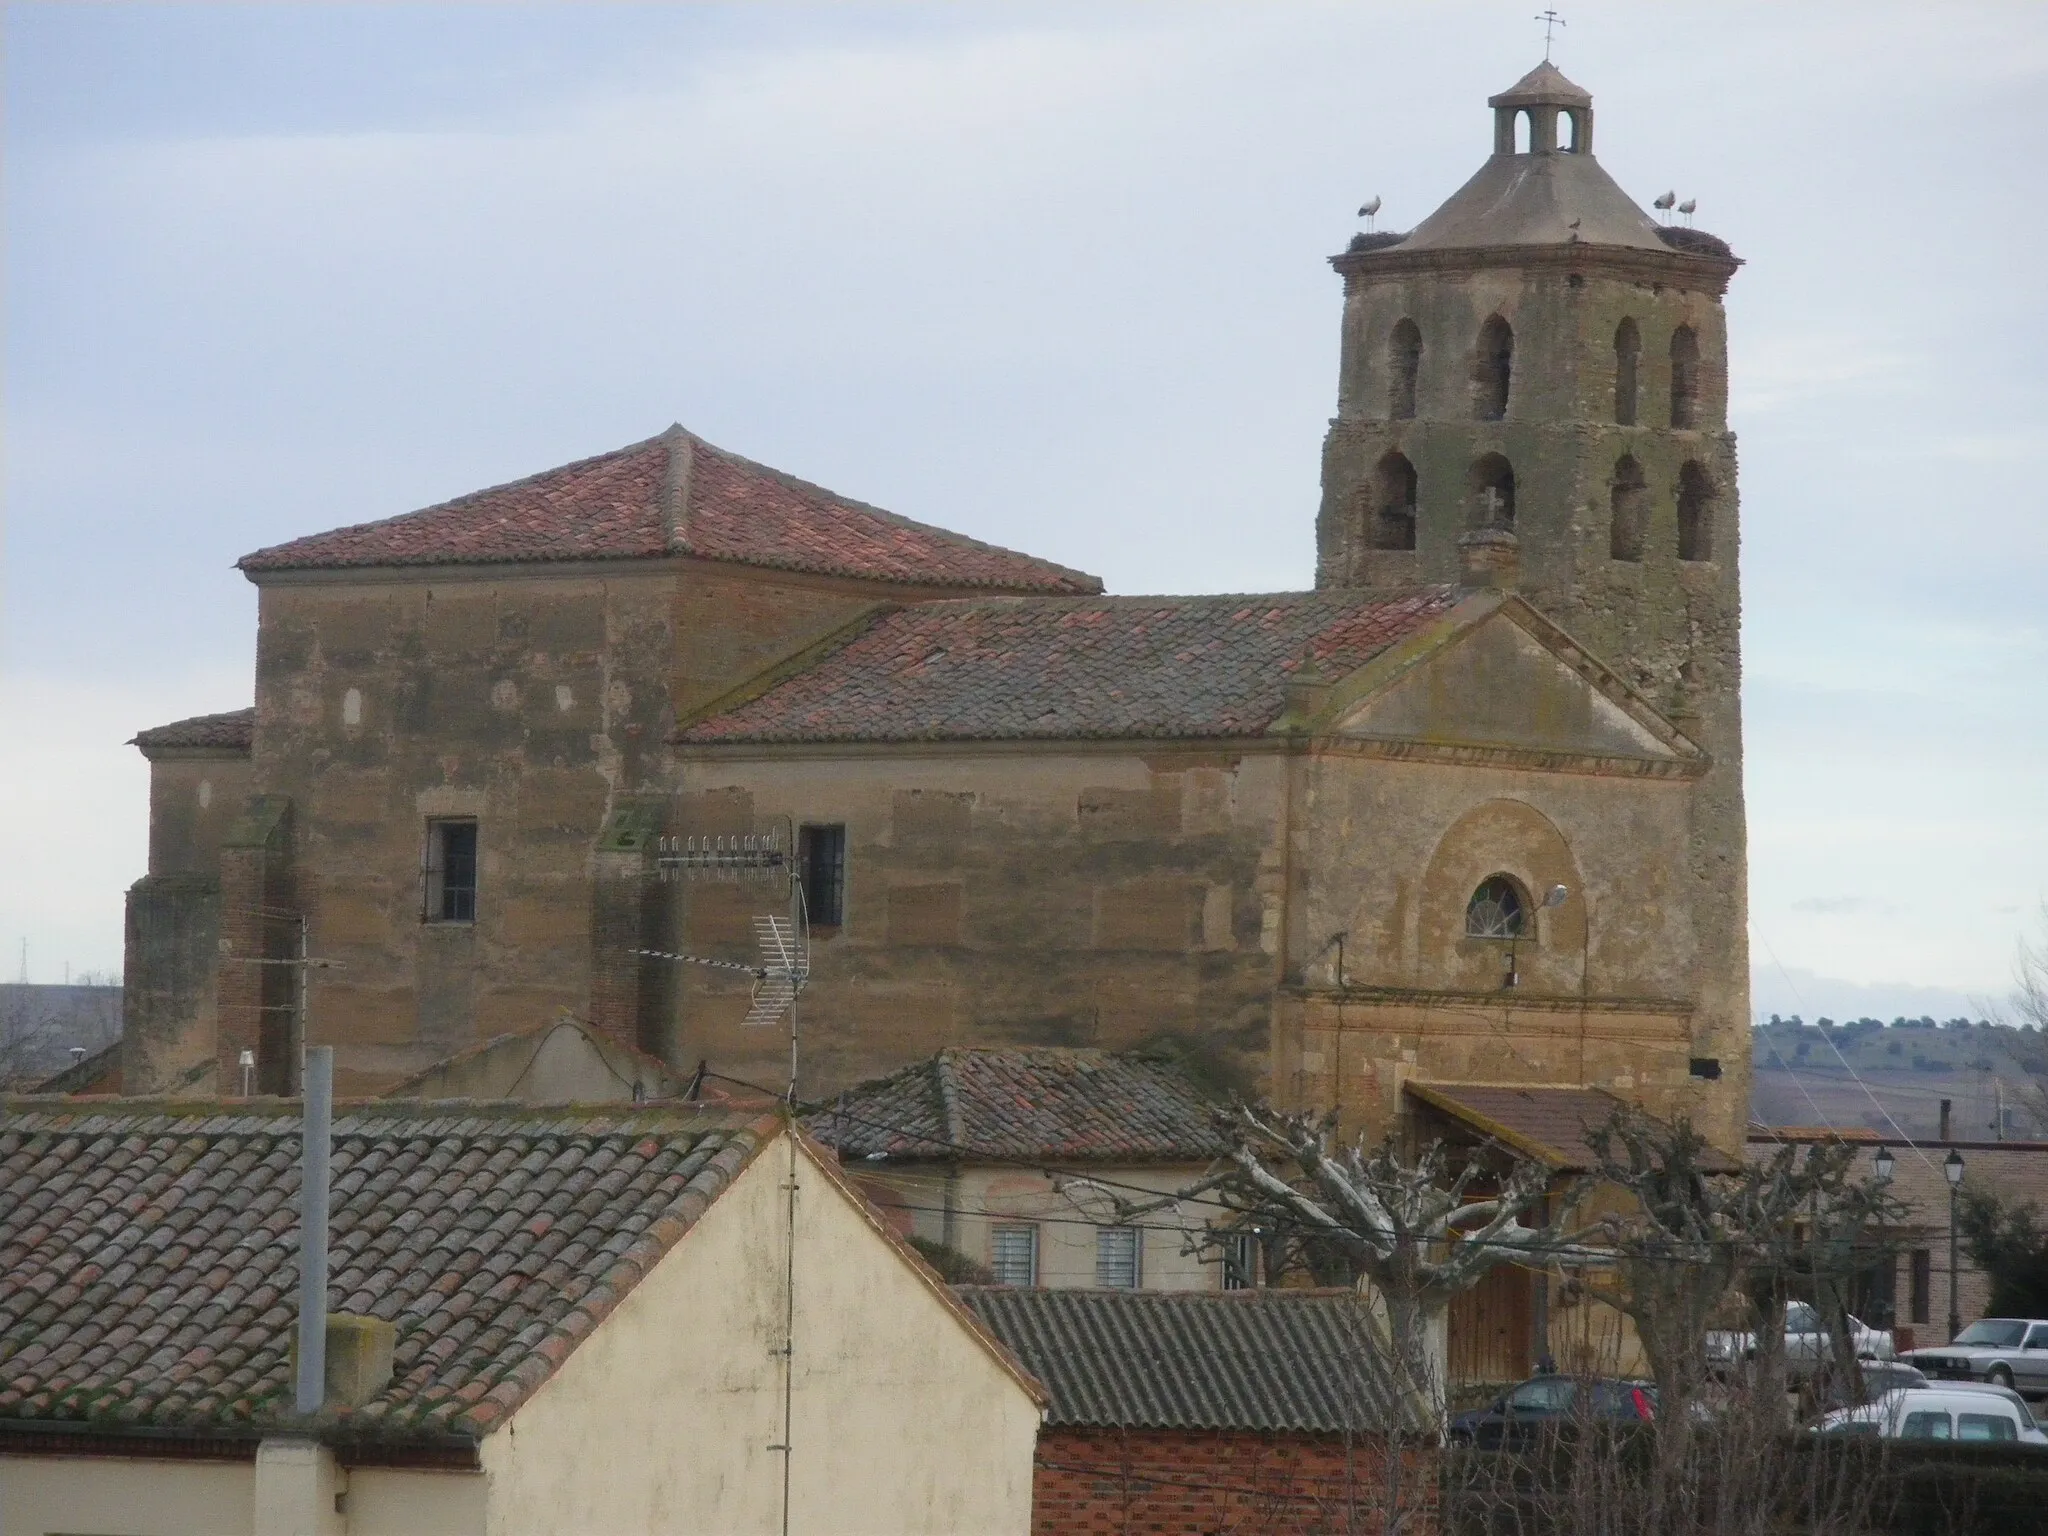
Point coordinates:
pixel 1670 626
pixel 1038 896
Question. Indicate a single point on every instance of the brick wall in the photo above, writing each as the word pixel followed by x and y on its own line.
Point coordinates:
pixel 1111 1482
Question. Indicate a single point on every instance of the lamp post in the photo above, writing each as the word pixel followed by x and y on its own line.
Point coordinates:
pixel 1952 1170
pixel 1883 1165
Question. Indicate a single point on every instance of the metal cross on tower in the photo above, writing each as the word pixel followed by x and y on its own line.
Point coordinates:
pixel 1495 504
pixel 1551 21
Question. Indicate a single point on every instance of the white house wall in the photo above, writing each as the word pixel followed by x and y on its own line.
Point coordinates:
pixel 664 1418
pixel 41 1494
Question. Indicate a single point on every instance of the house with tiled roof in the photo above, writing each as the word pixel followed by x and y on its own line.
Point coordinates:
pixel 1185 1414
pixel 1022 1160
pixel 1468 811
pixel 620 1318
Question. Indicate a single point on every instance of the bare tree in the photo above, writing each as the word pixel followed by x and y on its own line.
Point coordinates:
pixel 1699 1227
pixel 1418 1230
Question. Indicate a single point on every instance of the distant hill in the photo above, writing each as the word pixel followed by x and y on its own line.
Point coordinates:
pixel 1891 1078
pixel 40 1025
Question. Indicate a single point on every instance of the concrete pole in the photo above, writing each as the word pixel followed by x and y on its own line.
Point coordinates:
pixel 316 1140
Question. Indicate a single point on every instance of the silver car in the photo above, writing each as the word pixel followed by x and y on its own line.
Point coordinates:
pixel 1807 1345
pixel 2009 1351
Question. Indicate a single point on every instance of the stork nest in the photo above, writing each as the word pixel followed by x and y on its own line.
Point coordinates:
pixel 1696 242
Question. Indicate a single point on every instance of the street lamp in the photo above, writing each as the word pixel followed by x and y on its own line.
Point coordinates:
pixel 1882 1165
pixel 1952 1170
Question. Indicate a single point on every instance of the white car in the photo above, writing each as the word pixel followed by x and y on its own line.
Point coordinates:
pixel 1954 1412
pixel 2011 1351
pixel 1806 1341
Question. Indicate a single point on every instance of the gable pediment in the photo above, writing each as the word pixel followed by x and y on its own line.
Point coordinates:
pixel 1504 678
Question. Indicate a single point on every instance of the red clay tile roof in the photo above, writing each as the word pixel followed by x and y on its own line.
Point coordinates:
pixel 1549 1124
pixel 1028 1102
pixel 149 1250
pixel 1061 668
pixel 625 505
pixel 234 730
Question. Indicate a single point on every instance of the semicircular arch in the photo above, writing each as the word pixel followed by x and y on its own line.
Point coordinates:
pixel 1491 840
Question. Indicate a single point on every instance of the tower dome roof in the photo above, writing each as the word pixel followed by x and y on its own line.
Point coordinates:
pixel 1545 85
pixel 1553 193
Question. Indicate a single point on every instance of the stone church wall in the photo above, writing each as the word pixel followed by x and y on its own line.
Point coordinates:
pixel 1042 895
pixel 528 702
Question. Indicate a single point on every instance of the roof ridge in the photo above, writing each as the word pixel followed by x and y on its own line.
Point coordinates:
pixel 949 1099
pixel 798 483
pixel 455 501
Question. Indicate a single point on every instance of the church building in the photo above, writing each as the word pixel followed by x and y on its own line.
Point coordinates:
pixel 1467 813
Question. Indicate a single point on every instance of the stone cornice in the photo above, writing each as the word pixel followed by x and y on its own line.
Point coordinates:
pixel 1516 1001
pixel 1679 269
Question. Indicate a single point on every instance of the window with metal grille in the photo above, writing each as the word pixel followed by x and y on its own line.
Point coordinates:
pixel 1240 1260
pixel 1013 1254
pixel 1496 911
pixel 450 894
pixel 1116 1258
pixel 821 865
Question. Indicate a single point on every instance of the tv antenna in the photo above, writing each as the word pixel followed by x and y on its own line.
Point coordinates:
pixel 781 968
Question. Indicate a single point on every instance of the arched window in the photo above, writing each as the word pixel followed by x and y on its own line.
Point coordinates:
pixel 1695 514
pixel 1497 910
pixel 1404 363
pixel 1525 132
pixel 1393 524
pixel 1685 377
pixel 1490 493
pixel 1628 347
pixel 1628 503
pixel 1493 367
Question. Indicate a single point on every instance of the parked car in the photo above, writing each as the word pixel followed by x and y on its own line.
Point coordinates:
pixel 1940 1413
pixel 2010 1351
pixel 1807 1344
pixel 1879 1377
pixel 1514 1419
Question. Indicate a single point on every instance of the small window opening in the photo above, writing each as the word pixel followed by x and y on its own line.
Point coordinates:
pixel 1496 911
pixel 1921 1285
pixel 821 869
pixel 1685 377
pixel 1490 489
pixel 1525 129
pixel 1492 369
pixel 1404 365
pixel 1394 518
pixel 1240 1260
pixel 1628 509
pixel 1568 132
pixel 1628 349
pixel 1117 1252
pixel 450 895
pixel 1695 514
pixel 1013 1253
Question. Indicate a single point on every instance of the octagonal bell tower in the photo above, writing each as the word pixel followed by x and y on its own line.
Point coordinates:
pixel 1540 355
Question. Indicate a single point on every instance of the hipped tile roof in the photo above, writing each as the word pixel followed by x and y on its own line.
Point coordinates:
pixel 674 494
pixel 1067 668
pixel 234 729
pixel 1549 1124
pixel 1302 1361
pixel 149 1251
pixel 1053 1102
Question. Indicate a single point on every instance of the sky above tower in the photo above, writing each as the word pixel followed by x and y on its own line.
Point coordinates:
pixel 1053 276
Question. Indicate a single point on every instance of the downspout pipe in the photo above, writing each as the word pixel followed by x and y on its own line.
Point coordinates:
pixel 317 1138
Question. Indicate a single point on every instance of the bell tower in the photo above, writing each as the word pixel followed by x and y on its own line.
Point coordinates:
pixel 1541 357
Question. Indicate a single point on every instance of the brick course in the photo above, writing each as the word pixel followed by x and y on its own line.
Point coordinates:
pixel 1166 1482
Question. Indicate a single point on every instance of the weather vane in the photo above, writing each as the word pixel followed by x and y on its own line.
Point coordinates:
pixel 1551 22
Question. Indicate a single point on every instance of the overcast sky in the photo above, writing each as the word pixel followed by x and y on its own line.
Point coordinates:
pixel 1051 276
